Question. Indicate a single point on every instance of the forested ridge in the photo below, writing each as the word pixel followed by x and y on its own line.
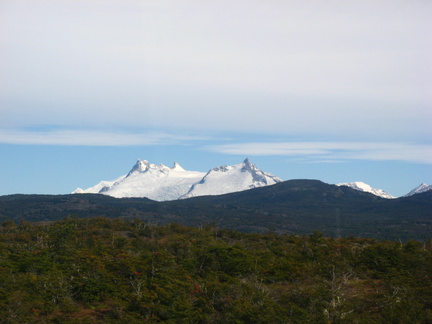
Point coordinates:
pixel 291 207
pixel 100 270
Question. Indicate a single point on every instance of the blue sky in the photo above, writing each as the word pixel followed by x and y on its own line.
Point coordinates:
pixel 339 91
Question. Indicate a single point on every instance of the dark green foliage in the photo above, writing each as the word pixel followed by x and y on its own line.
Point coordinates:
pixel 103 270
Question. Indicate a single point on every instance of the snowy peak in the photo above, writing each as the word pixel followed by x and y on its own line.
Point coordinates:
pixel 143 166
pixel 177 167
pixel 247 166
pixel 258 176
pixel 226 179
pixel 361 186
pixel 421 188
pixel 140 166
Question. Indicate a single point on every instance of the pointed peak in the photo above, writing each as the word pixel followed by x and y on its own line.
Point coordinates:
pixel 247 165
pixel 177 167
pixel 140 166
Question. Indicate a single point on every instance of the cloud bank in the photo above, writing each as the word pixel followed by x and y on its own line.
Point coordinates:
pixel 357 70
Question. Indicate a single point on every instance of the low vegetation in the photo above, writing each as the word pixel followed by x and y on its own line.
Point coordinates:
pixel 100 270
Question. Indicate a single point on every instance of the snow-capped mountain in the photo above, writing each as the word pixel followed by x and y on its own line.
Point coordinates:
pixel 156 182
pixel 161 183
pixel 361 186
pixel 226 179
pixel 421 188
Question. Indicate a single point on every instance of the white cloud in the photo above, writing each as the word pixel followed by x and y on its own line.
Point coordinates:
pixel 333 151
pixel 92 138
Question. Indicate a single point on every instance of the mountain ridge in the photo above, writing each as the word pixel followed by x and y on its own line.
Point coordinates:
pixel 419 189
pixel 162 183
pixel 293 207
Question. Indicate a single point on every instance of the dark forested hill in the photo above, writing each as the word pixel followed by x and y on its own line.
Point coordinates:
pixel 294 207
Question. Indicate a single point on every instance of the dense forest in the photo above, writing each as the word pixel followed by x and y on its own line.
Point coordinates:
pixel 100 270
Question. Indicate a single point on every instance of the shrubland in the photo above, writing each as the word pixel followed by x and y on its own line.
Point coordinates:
pixel 100 270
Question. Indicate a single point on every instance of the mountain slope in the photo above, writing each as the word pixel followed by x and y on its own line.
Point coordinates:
pixel 100 187
pixel 361 186
pixel 227 179
pixel 421 188
pixel 301 206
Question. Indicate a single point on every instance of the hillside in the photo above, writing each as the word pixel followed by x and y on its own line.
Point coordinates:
pixel 302 206
pixel 292 207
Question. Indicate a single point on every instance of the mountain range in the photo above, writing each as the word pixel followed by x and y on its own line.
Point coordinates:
pixel 162 183
pixel 240 197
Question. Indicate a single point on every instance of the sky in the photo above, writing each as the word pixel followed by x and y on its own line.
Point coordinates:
pixel 338 91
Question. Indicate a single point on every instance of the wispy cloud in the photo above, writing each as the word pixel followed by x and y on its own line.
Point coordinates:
pixel 333 151
pixel 92 138
pixel 307 151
